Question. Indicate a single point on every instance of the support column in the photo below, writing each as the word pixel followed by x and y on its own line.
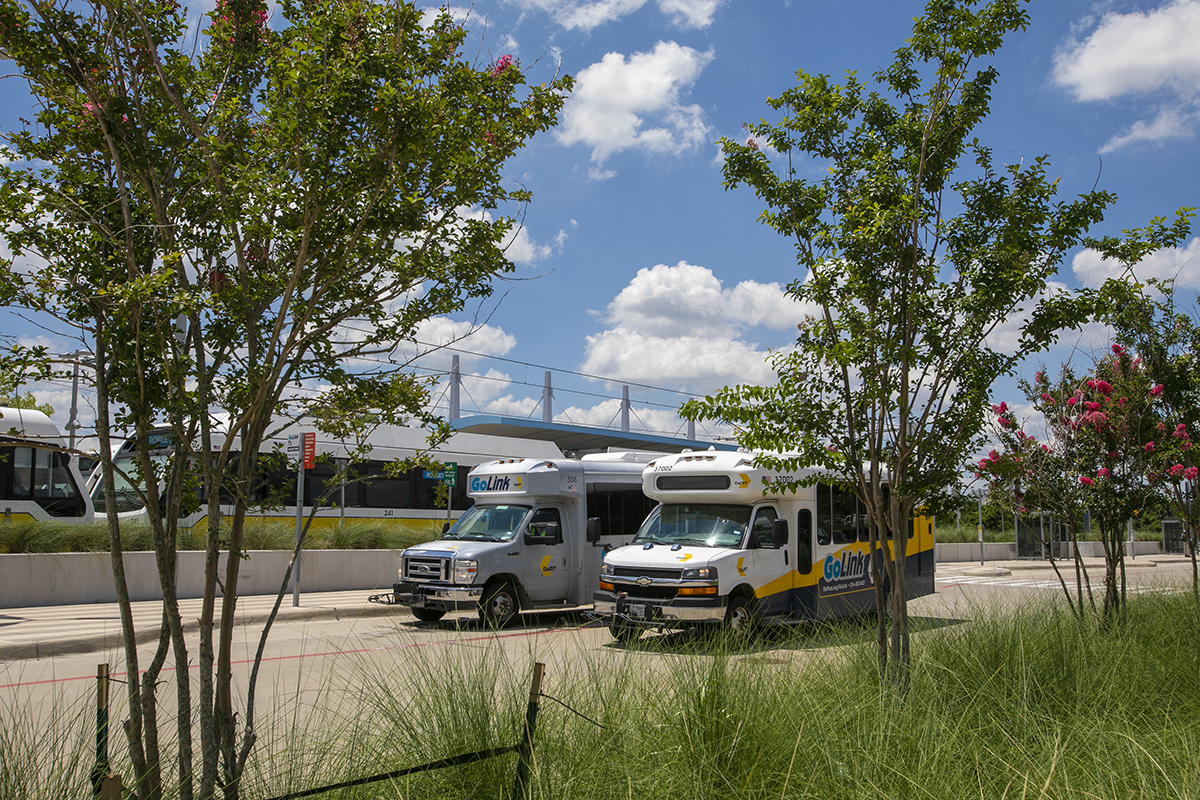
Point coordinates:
pixel 547 400
pixel 455 386
pixel 625 409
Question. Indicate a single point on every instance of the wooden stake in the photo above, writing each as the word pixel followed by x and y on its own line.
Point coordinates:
pixel 525 746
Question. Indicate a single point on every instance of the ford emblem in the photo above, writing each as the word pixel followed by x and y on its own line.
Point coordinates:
pixel 644 581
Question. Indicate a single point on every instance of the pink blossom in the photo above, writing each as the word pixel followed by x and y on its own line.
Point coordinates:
pixel 1003 422
pixel 1045 449
pixel 752 143
pixel 1091 384
pixel 1091 405
pixel 1190 473
pixel 1118 350
pixel 1102 472
pixel 1149 448
pixel 1123 401
pixel 1181 431
pixel 1104 388
pixel 1185 446
pixel 89 107
pixel 1112 454
pixel 1086 481
pixel 1072 401
pixel 1038 376
pixel 1047 398
pixel 1175 470
pixel 1157 390
pixel 504 62
pixel 1001 409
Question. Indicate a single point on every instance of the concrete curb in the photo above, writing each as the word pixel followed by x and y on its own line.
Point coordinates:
pixel 25 651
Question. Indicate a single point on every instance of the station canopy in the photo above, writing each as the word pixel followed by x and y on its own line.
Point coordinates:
pixel 581 439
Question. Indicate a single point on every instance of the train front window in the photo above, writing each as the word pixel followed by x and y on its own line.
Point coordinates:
pixel 698 524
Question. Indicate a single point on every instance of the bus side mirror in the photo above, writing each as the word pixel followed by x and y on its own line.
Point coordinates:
pixel 445 527
pixel 779 532
pixel 593 530
pixel 543 533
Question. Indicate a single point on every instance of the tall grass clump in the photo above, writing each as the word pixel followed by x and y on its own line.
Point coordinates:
pixel 30 536
pixel 1025 704
pixel 46 750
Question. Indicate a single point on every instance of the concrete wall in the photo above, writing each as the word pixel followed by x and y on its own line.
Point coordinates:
pixel 73 578
pixel 39 579
pixel 969 551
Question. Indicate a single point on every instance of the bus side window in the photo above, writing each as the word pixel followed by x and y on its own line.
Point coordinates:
pixel 804 542
pixel 761 530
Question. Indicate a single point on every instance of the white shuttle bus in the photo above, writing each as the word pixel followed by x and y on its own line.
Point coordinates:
pixel 532 540
pixel 39 479
pixel 718 550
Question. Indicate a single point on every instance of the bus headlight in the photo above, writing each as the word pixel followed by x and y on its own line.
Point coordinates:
pixel 465 570
pixel 699 574
pixel 606 569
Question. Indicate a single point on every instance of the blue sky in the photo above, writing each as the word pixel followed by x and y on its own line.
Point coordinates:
pixel 636 265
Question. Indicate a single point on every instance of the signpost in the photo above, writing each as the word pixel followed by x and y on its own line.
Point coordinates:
pixel 304 447
pixel 450 479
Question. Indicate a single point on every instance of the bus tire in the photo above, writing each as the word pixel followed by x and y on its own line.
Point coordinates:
pixel 428 614
pixel 741 616
pixel 499 605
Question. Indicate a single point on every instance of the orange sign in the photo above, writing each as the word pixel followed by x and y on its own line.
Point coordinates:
pixel 310 450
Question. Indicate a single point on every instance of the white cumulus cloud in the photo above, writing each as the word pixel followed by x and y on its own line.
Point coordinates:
pixel 1138 54
pixel 1180 264
pixel 622 103
pixel 678 326
pixel 585 15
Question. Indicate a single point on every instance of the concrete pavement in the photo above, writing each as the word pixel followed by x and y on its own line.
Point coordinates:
pixel 47 631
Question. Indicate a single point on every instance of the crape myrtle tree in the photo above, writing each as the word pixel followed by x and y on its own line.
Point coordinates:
pixel 1147 317
pixel 228 217
pixel 1097 454
pixel 1028 474
pixel 914 247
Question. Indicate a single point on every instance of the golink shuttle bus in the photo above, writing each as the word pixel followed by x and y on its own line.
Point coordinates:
pixel 717 550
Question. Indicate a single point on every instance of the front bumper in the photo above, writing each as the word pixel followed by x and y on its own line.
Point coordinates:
pixel 437 596
pixel 659 613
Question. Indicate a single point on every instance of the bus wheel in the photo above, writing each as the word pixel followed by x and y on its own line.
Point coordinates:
pixel 428 614
pixel 741 617
pixel 499 605
pixel 625 634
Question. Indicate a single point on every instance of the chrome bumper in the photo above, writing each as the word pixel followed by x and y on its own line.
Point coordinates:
pixel 450 598
pixel 654 614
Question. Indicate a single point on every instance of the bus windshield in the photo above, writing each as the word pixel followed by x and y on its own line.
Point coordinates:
pixel 700 524
pixel 127 494
pixel 489 523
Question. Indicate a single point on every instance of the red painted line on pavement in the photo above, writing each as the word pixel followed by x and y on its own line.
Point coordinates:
pixel 312 655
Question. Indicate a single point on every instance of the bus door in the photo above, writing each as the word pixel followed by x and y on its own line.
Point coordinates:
pixel 801 544
pixel 544 556
pixel 771 564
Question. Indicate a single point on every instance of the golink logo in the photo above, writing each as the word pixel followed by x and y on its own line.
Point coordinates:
pixel 492 483
pixel 850 565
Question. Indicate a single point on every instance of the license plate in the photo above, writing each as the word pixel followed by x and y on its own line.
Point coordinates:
pixel 637 610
